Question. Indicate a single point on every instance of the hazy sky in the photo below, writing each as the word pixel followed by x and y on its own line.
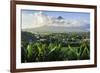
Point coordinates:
pixel 27 16
pixel 66 15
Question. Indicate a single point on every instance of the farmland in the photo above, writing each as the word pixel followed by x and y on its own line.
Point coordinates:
pixel 44 47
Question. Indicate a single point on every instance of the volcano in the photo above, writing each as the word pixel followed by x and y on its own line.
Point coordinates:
pixel 46 23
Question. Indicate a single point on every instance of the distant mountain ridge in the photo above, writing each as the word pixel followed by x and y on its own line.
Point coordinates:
pixel 55 29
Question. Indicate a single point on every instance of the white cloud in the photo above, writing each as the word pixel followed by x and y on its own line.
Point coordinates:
pixel 39 19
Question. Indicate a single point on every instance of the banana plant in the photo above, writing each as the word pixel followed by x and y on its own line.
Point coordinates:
pixel 29 52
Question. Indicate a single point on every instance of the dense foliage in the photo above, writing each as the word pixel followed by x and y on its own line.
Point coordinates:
pixel 40 47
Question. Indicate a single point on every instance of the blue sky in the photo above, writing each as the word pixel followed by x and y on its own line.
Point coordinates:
pixel 77 20
pixel 66 15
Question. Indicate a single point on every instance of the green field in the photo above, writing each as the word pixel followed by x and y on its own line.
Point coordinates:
pixel 44 47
